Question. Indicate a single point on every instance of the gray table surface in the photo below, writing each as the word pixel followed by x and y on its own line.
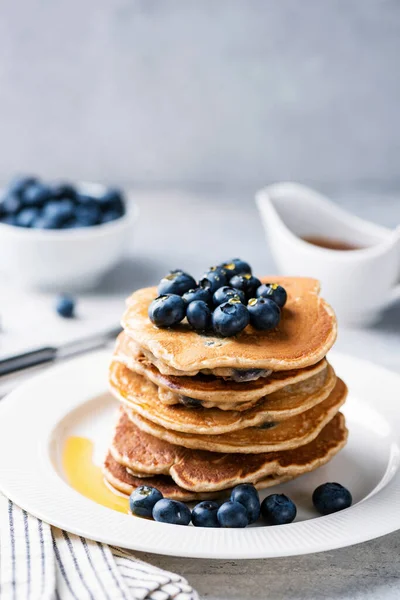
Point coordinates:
pixel 193 231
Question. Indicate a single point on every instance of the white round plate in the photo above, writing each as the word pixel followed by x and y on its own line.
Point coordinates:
pixel 70 399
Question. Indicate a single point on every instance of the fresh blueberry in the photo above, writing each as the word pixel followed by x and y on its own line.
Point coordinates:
pixel 19 184
pixel 331 497
pixel 59 211
pixel 47 222
pixel 112 200
pixel 86 199
pixel 171 511
pixel 143 499
pixel 225 293
pixel 247 495
pixel 176 282
pixel 216 276
pixel 65 306
pixel 11 204
pixel 198 314
pixel 274 292
pixel 63 190
pixel 278 509
pixel 264 314
pixel 110 215
pixel 204 514
pixel 235 266
pixel 9 220
pixel 73 223
pixel 36 195
pixel 198 293
pixel 246 282
pixel 88 214
pixel 230 318
pixel 26 217
pixel 167 310
pixel 232 514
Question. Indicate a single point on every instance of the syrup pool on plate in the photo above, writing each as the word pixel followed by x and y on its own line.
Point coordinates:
pixel 86 477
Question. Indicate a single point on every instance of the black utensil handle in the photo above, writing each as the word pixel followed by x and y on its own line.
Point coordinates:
pixel 27 359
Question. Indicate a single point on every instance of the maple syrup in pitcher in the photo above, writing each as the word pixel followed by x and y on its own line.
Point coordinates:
pixel 329 243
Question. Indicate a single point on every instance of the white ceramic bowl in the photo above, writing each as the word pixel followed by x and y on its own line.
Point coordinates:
pixel 66 259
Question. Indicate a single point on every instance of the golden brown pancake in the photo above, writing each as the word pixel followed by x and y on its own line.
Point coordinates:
pixel 142 396
pixel 118 477
pixel 202 471
pixel 306 332
pixel 211 390
pixel 288 434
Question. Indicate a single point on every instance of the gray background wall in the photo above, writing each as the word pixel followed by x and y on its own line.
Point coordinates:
pixel 236 92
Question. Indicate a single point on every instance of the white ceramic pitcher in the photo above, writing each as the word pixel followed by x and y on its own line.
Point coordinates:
pixel 358 283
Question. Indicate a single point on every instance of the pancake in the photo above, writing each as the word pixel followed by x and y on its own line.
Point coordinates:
pixel 238 375
pixel 287 434
pixel 142 396
pixel 119 480
pixel 202 471
pixel 118 477
pixel 306 332
pixel 211 390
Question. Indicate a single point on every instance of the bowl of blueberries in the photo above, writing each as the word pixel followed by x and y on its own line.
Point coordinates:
pixel 61 236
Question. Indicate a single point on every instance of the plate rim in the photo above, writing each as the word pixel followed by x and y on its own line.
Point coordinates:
pixel 193 542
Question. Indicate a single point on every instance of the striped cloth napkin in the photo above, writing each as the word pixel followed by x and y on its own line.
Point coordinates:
pixel 40 562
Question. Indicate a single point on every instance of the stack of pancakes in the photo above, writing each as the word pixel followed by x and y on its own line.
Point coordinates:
pixel 200 414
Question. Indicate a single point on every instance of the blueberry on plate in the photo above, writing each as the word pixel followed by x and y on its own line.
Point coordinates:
pixel 204 514
pixel 65 306
pixel 198 293
pixel 230 318
pixel 264 314
pixel 171 511
pixel 167 310
pixel 176 282
pixel 235 266
pixel 245 282
pixel 27 217
pixel 278 509
pixel 232 514
pixel 273 291
pixel 19 184
pixel 246 494
pixel 36 194
pixel 225 293
pixel 217 278
pixel 198 314
pixel 331 497
pixel 143 499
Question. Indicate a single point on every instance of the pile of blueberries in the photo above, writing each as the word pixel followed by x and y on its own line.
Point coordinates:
pixel 242 509
pixel 29 202
pixel 225 300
